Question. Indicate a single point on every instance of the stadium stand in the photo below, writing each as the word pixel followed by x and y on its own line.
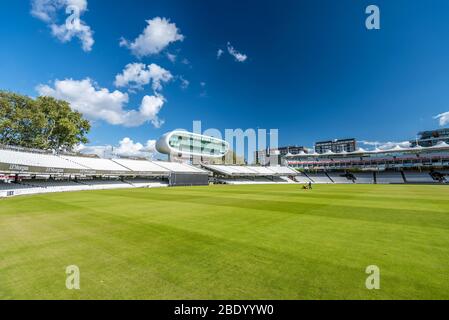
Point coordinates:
pixel 142 166
pixel 179 167
pixel 301 178
pixel 418 177
pixel 51 185
pixel 256 180
pixel 36 160
pixel 445 175
pixel 35 171
pixel 262 171
pixel 32 171
pixel 232 174
pixel 97 164
pixel 341 177
pixel 389 177
pixel 12 189
pixel 283 171
pixel 147 183
pixel 286 179
pixel 319 177
pixel 364 177
pixel 231 171
pixel 13 186
pixel 102 184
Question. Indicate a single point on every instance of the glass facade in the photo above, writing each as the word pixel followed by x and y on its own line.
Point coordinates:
pixel 336 146
pixel 431 138
pixel 195 144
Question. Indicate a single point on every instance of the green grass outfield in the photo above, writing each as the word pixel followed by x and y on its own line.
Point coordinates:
pixel 228 242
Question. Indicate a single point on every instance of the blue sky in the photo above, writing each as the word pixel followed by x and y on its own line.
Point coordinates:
pixel 312 69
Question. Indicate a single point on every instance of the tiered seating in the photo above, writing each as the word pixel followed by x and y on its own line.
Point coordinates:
pixel 257 180
pixel 319 177
pixel 262 171
pixel 232 170
pixel 301 178
pixel 283 171
pixel 284 180
pixel 389 177
pixel 142 166
pixel 36 160
pixel 236 181
pixel 179 167
pixel 339 177
pixel 34 186
pixel 95 163
pixel 50 185
pixel 106 184
pixel 445 174
pixel 418 177
pixel 13 186
pixel 364 177
pixel 268 180
pixel 16 189
pixel 147 183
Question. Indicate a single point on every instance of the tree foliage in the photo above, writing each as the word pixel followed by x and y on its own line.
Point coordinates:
pixel 41 123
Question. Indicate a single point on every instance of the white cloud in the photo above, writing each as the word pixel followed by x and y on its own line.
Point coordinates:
pixel 171 57
pixel 47 11
pixel 100 151
pixel 184 82
pixel 385 145
pixel 219 53
pixel 81 31
pixel 159 33
pixel 136 75
pixel 150 107
pixel 240 57
pixel 125 148
pixel 101 104
pixel 443 118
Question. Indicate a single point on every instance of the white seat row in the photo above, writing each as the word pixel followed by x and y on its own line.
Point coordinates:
pixel 179 167
pixel 301 178
pixel 96 163
pixel 389 177
pixel 47 186
pixel 339 178
pixel 418 177
pixel 142 166
pixel 147 183
pixel 319 178
pixel 50 161
pixel 13 186
pixel 233 170
pixel 285 171
pixel 36 160
pixel 364 178
pixel 255 181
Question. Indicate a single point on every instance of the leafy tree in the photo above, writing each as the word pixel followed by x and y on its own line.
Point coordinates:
pixel 42 123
